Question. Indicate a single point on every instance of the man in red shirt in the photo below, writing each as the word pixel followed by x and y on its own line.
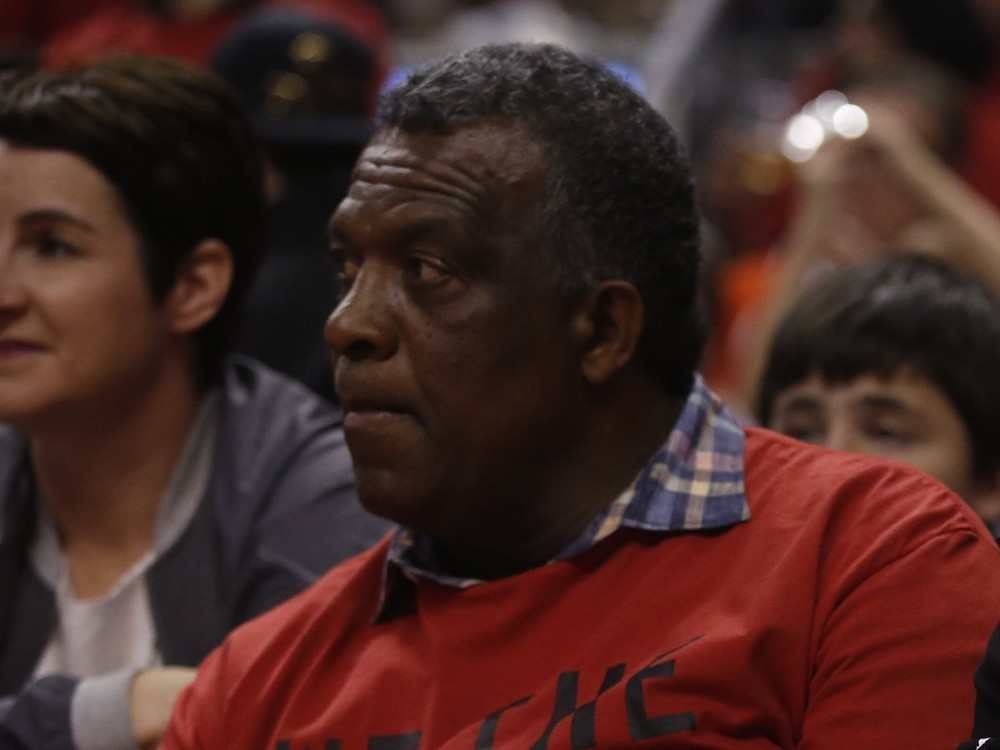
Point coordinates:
pixel 591 553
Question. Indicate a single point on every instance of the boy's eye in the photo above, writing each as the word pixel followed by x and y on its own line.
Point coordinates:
pixel 806 434
pixel 808 429
pixel 886 434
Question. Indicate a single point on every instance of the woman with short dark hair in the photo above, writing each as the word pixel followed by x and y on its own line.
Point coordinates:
pixel 154 493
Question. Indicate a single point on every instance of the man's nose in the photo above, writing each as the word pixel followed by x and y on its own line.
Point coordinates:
pixel 362 325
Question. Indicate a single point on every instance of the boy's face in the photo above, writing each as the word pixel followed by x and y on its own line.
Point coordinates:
pixel 905 418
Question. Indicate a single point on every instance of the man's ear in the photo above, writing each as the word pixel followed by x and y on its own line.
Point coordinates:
pixel 610 323
pixel 202 285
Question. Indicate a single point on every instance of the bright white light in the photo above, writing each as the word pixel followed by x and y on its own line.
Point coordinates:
pixel 850 121
pixel 826 105
pixel 805 132
pixel 796 154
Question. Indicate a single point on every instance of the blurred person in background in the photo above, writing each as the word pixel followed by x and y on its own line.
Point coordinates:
pixel 309 86
pixel 154 492
pixel 890 190
pixel 925 62
pixel 892 186
pixel 959 36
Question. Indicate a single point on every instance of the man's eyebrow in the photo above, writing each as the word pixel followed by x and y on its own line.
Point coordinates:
pixel 412 231
pixel 49 215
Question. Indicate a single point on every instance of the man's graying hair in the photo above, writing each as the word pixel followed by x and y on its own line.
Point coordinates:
pixel 620 202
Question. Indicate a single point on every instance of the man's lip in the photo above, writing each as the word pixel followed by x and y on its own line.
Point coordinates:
pixel 372 416
pixel 371 407
pixel 364 403
pixel 18 346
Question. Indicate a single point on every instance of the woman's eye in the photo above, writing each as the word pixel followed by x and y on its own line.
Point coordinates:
pixel 50 246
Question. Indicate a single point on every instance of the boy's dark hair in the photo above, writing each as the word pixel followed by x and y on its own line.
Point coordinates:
pixel 620 202
pixel 900 312
pixel 174 141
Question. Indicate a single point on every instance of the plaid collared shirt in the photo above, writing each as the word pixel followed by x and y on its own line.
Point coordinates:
pixel 695 481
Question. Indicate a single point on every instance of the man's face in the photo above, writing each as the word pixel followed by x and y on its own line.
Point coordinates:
pixel 906 418
pixel 455 355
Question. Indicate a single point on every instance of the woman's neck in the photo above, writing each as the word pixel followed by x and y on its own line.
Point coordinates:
pixel 102 478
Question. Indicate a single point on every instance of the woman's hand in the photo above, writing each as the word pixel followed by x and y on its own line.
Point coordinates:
pixel 154 692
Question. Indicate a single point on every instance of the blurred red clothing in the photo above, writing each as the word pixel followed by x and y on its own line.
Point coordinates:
pixel 981 161
pixel 30 23
pixel 133 29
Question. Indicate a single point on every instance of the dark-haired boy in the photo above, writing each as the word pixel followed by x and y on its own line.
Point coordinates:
pixel 896 358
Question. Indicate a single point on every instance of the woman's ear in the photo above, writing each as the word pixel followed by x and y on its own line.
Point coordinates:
pixel 202 284
pixel 610 323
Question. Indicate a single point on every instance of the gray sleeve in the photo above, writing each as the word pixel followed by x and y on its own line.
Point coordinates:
pixel 282 489
pixel 38 717
pixel 100 712
pixel 313 522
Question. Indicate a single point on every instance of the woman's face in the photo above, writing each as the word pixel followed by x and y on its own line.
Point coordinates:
pixel 80 334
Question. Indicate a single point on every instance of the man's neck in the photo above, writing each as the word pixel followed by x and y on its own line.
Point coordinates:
pixel 621 438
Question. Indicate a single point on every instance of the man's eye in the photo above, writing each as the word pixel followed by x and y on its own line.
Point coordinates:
pixel 345 268
pixel 424 270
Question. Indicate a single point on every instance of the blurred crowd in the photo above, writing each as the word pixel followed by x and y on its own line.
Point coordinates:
pixel 752 85
pixel 729 74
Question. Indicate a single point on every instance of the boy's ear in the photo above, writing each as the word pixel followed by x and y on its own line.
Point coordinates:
pixel 202 284
pixel 609 324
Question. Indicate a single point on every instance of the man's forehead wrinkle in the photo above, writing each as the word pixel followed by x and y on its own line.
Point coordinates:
pixel 465 166
pixel 438 177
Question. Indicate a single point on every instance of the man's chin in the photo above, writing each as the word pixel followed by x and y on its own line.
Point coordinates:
pixel 396 501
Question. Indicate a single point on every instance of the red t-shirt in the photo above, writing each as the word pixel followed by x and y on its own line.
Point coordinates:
pixel 849 612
